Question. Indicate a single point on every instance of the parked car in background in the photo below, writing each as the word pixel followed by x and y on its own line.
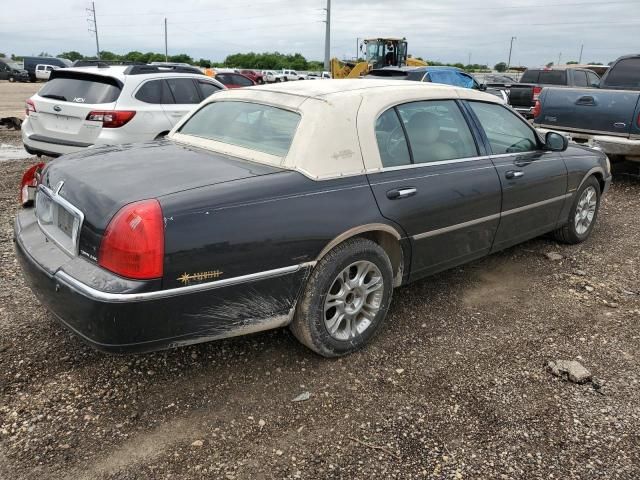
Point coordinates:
pixel 88 106
pixel 607 117
pixel 293 75
pixel 234 80
pixel 12 71
pixel 303 204
pixel 523 95
pixel 30 64
pixel 272 76
pixel 254 75
pixel 43 72
pixel 445 75
pixel 319 76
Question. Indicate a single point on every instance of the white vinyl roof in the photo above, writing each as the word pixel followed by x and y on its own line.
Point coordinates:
pixel 336 133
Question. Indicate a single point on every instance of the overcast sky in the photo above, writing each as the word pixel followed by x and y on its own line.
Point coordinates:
pixel 445 30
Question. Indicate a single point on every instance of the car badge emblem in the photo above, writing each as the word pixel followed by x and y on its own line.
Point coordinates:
pixel 57 108
pixel 59 187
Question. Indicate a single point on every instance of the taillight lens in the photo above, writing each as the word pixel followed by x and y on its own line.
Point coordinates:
pixel 638 120
pixel 29 183
pixel 29 107
pixel 133 244
pixel 536 93
pixel 111 118
pixel 537 109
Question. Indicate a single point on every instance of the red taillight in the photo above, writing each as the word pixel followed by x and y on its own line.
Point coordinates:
pixel 133 244
pixel 536 93
pixel 638 120
pixel 29 183
pixel 111 118
pixel 29 107
pixel 537 109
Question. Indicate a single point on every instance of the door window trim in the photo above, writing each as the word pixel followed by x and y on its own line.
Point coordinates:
pixel 481 149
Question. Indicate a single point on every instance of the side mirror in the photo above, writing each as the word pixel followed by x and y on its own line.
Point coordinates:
pixel 595 84
pixel 556 142
pixel 483 87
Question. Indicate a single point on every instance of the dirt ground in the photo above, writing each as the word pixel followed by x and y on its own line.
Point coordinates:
pixel 455 386
pixel 13 96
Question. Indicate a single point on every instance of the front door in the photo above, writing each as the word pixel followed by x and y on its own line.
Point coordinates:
pixel 436 184
pixel 534 180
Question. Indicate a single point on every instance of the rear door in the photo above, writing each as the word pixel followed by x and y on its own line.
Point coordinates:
pixel 534 180
pixel 437 183
pixel 185 96
pixel 152 119
pixel 64 102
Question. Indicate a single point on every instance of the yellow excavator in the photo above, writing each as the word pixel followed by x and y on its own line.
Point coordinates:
pixel 378 53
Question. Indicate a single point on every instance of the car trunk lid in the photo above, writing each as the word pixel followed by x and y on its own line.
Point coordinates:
pixel 64 103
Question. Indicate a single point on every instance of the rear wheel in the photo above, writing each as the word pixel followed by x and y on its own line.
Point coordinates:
pixel 346 299
pixel 12 79
pixel 277 80
pixel 583 214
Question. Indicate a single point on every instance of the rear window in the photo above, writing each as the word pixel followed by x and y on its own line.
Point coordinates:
pixel 250 125
pixel 625 73
pixel 553 77
pixel 81 90
pixel 530 76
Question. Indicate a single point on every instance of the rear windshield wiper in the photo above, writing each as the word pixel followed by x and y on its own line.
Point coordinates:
pixel 55 97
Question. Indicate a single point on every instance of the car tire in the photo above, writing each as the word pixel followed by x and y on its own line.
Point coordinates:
pixel 11 79
pixel 583 214
pixel 359 277
pixel 277 80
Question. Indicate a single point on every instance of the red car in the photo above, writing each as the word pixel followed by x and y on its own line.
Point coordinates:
pixel 234 80
pixel 253 75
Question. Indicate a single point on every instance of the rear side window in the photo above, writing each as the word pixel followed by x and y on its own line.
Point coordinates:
pixel 530 76
pixel 507 133
pixel 80 90
pixel 184 90
pixel 155 92
pixel 553 77
pixel 625 73
pixel 415 76
pixel 392 142
pixel 437 131
pixel 207 88
pixel 250 125
pixel 580 78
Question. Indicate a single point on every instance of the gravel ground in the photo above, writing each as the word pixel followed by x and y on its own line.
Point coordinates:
pixel 454 387
pixel 13 96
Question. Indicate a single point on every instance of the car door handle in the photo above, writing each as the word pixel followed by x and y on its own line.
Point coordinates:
pixel 510 174
pixel 587 100
pixel 401 193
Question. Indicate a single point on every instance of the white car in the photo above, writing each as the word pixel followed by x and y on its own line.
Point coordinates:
pixel 271 76
pixel 43 72
pixel 293 75
pixel 87 106
pixel 319 76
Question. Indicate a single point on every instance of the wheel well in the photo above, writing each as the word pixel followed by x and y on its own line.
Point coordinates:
pixel 385 236
pixel 600 179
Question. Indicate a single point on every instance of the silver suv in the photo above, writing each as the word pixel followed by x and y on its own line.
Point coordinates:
pixel 106 105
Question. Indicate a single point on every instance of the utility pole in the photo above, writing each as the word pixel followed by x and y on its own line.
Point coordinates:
pixel 559 58
pixel 92 19
pixel 327 38
pixel 357 48
pixel 581 49
pixel 510 50
pixel 469 62
pixel 166 54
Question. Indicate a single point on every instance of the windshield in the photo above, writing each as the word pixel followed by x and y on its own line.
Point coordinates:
pixel 250 125
pixel 625 74
pixel 15 66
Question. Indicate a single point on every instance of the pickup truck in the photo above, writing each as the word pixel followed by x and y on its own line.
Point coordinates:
pixel 271 76
pixel 607 118
pixel 293 75
pixel 43 72
pixel 523 95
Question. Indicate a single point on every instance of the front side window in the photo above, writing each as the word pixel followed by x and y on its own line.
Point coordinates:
pixel 580 78
pixel 507 133
pixel 184 90
pixel 437 131
pixel 250 125
pixel 594 80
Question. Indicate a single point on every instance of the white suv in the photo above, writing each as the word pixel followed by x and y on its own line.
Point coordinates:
pixel 107 105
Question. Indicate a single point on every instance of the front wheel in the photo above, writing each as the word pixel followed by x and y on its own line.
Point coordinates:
pixel 12 79
pixel 345 300
pixel 583 214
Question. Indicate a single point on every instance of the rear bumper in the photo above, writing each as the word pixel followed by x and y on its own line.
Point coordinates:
pixel 51 147
pixel 117 315
pixel 611 145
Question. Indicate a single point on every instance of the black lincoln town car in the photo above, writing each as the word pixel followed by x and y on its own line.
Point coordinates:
pixel 301 204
